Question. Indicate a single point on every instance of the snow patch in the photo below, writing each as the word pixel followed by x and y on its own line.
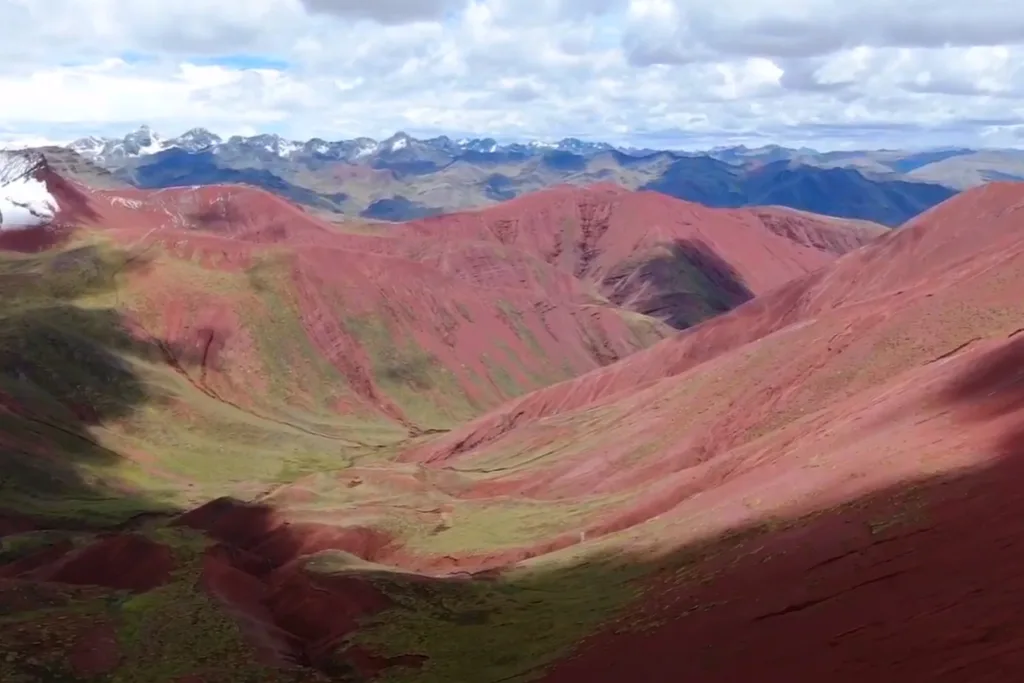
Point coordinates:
pixel 125 202
pixel 25 201
pixel 155 145
pixel 366 150
pixel 288 147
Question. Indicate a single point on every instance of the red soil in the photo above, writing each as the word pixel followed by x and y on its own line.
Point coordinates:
pixel 610 236
pixel 322 611
pixel 43 558
pixel 891 379
pixel 237 580
pixel 963 237
pixel 446 286
pixel 123 562
pixel 30 241
pixel 95 652
pixel 292 616
pixel 936 597
pixel 337 276
pixel 12 523
pixel 267 534
pixel 512 285
pixel 239 212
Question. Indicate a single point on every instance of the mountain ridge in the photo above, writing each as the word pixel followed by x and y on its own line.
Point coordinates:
pixel 144 141
pixel 403 178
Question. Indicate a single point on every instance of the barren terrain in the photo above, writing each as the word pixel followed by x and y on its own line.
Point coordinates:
pixel 241 443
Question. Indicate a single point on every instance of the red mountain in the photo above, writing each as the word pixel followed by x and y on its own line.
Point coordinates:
pixel 679 261
pixel 240 411
pixel 822 482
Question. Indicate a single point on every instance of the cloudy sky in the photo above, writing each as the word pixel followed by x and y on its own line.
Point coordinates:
pixel 671 73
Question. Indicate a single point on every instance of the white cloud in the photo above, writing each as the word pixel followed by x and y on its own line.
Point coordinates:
pixel 660 72
pixel 694 30
pixel 385 11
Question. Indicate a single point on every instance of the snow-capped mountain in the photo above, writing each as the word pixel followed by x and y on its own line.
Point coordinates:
pixel 400 147
pixel 25 200
pixel 413 177
pixel 481 145
pixel 765 154
pixel 577 146
pixel 195 140
pixel 138 143
pixel 142 142
pixel 265 144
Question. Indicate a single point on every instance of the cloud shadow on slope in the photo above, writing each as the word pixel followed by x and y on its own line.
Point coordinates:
pixel 66 367
pixel 919 581
pixel 994 389
pixel 32 241
pixel 684 283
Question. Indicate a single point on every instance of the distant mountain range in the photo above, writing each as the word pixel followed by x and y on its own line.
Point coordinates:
pixel 403 177
pixel 399 147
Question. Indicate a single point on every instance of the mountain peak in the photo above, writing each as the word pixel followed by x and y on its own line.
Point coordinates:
pixel 198 132
pixel 398 141
pixel 144 140
pixel 195 139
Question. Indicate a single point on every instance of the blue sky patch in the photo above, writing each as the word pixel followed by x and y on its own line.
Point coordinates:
pixel 231 61
pixel 242 61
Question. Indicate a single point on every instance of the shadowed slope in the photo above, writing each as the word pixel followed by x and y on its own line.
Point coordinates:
pixel 686 284
pixel 68 164
pixel 835 191
pixel 69 363
pixel 916 580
